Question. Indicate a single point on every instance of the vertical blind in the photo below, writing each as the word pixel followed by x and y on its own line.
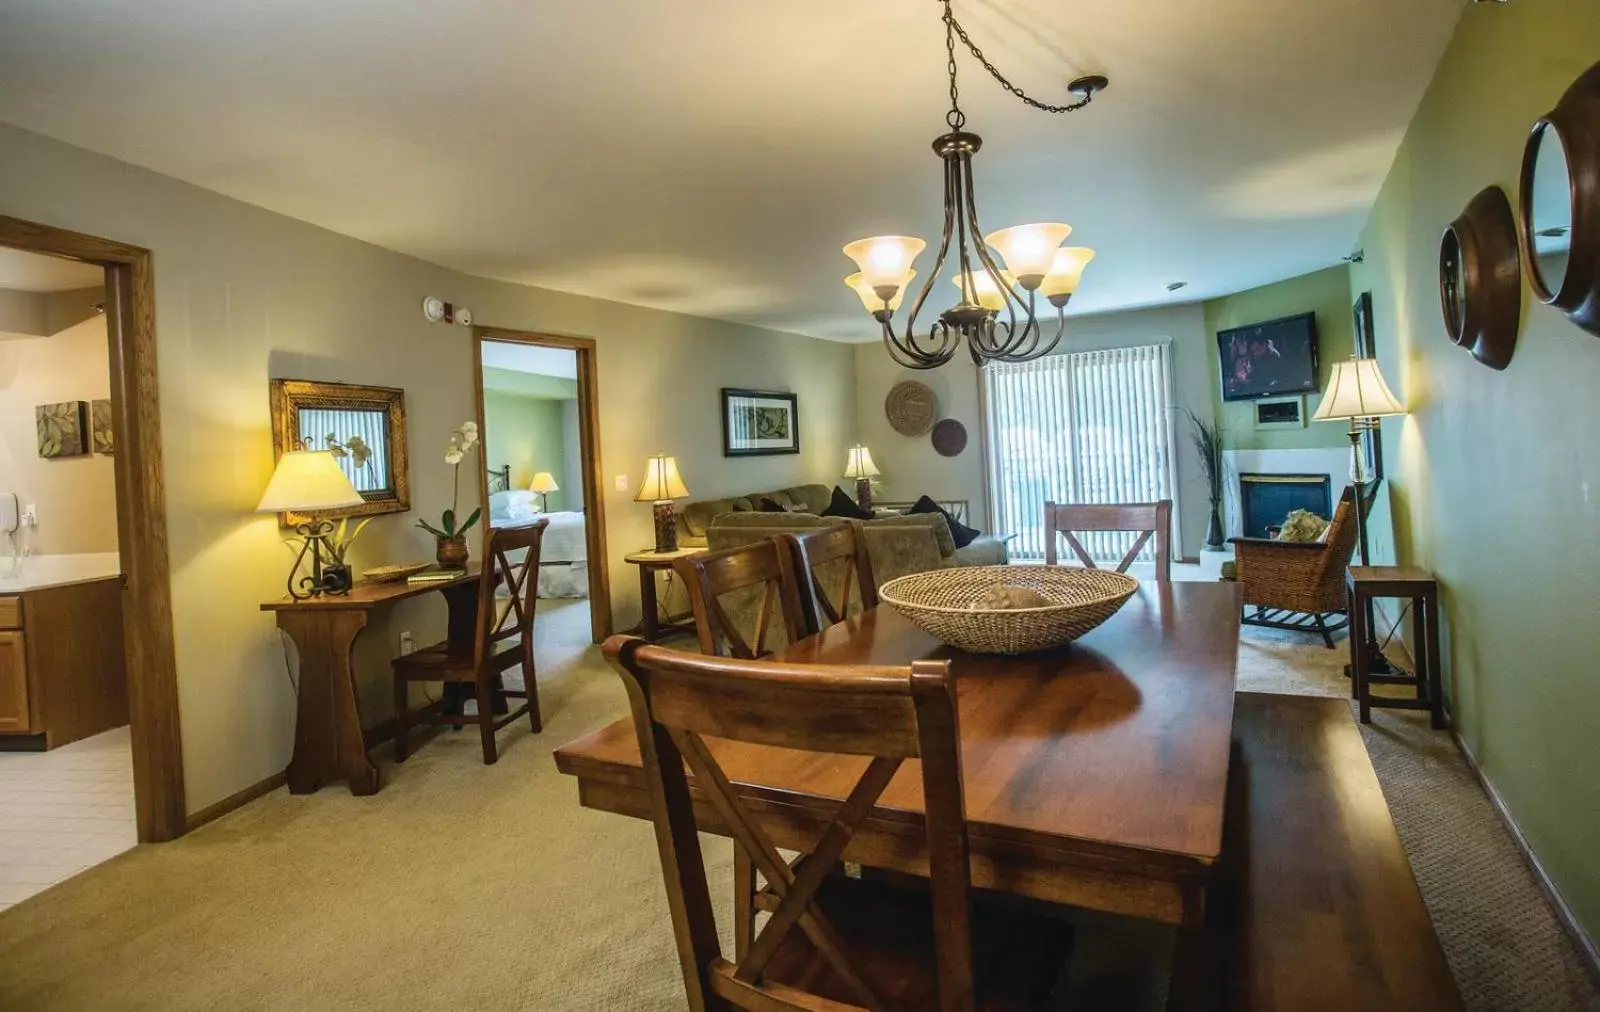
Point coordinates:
pixel 1090 427
pixel 318 425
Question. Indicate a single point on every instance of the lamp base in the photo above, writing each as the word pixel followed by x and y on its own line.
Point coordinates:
pixel 864 493
pixel 666 526
pixel 326 577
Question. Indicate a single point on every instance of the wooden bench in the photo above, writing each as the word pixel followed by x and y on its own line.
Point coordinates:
pixel 1320 910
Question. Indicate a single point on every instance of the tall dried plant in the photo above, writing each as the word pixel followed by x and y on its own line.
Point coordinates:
pixel 1206 438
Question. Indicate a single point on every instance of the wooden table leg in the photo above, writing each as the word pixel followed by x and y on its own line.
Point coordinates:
pixel 1430 604
pixel 328 744
pixel 647 601
pixel 1358 656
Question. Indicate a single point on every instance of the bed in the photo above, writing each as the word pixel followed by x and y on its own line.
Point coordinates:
pixel 564 553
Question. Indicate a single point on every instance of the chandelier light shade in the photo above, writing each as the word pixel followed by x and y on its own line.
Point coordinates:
pixel 1001 278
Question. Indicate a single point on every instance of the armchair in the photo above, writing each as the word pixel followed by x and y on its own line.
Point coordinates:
pixel 1299 585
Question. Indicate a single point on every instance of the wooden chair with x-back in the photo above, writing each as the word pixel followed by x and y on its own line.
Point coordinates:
pixel 834 571
pixel 504 639
pixel 832 942
pixel 1147 519
pixel 738 594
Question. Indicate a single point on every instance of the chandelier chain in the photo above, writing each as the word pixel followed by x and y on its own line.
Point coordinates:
pixel 956 118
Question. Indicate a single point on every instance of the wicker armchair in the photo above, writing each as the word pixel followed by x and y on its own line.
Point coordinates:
pixel 1299 585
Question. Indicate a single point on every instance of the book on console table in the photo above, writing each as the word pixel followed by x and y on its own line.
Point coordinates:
pixel 436 576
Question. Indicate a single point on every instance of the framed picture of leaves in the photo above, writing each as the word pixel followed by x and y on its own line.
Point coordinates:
pixel 61 429
pixel 758 423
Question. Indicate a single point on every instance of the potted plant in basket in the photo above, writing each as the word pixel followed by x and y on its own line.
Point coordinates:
pixel 452 536
pixel 1207 440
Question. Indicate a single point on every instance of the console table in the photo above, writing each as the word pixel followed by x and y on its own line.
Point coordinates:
pixel 328 742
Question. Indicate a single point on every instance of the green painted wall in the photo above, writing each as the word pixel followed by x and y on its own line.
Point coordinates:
pixel 1495 477
pixel 529 384
pixel 525 432
pixel 1324 292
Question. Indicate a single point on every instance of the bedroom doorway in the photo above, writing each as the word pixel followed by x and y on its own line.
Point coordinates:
pixel 538 412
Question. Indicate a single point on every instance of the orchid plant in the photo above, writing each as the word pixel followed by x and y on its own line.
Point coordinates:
pixel 356 448
pixel 463 440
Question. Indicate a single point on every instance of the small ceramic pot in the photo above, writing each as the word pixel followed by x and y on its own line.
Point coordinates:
pixel 452 553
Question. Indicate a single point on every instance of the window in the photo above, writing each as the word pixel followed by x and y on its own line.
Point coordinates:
pixel 1090 427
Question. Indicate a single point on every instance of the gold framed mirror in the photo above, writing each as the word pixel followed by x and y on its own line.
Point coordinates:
pixel 364 426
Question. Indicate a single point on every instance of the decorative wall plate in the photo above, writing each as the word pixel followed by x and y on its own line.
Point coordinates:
pixel 911 407
pixel 949 438
pixel 1480 279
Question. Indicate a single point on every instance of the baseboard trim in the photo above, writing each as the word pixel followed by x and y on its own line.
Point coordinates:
pixel 1586 945
pixel 236 800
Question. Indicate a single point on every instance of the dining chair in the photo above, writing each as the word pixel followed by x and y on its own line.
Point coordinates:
pixel 834 556
pixel 491 655
pixel 1145 518
pixel 832 941
pixel 737 595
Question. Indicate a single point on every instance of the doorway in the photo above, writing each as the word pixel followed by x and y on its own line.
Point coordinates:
pixel 538 410
pixel 139 590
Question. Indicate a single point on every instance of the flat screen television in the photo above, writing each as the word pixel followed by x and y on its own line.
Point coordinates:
pixel 1269 359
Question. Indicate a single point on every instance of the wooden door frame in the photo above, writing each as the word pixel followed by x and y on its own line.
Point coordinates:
pixel 594 505
pixel 141 515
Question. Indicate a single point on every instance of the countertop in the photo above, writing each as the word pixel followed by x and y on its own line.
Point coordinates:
pixel 43 571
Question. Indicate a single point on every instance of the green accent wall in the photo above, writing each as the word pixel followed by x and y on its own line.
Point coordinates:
pixel 1324 292
pixel 1495 476
pixel 525 432
pixel 529 384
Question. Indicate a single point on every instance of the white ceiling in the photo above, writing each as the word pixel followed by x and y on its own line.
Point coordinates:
pixel 31 272
pixel 711 157
pixel 531 358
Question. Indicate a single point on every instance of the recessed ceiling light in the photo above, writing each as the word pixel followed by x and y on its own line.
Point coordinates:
pixel 1174 286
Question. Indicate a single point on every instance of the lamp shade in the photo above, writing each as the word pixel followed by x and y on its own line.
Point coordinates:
pixel 885 260
pixel 661 482
pixel 859 464
pixel 869 295
pixel 981 287
pixel 1357 390
pixel 1066 271
pixel 1029 250
pixel 544 481
pixel 308 480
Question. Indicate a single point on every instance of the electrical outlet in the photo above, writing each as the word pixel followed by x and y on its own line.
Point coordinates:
pixel 407 644
pixel 622 484
pixel 30 516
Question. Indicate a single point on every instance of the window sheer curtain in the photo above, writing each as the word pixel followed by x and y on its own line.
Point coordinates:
pixel 1088 427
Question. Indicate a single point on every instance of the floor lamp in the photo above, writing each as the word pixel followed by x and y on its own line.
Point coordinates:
pixel 1358 394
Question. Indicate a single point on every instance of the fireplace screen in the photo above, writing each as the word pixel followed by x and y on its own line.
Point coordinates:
pixel 1266 499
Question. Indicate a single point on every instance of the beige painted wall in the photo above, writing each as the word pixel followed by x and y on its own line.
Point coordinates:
pixel 911 467
pixel 525 432
pixel 1495 476
pixel 243 294
pixel 75 497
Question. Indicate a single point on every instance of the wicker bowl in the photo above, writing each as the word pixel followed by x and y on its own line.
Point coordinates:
pixel 942 603
pixel 394 573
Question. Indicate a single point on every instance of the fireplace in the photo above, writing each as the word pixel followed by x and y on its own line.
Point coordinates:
pixel 1266 499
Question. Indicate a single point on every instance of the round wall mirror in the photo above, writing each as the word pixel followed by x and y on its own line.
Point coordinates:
pixel 1480 279
pixel 1559 198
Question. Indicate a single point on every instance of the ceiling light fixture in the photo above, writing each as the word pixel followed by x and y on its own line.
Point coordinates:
pixel 1035 261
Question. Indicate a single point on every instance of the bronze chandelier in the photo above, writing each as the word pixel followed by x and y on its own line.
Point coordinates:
pixel 1035 261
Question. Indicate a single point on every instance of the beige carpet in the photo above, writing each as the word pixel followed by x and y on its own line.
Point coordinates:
pixel 461 886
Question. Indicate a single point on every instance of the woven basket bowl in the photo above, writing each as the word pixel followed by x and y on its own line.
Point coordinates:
pixel 940 602
pixel 394 573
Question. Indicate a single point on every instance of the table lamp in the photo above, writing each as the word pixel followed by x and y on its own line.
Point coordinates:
pixel 544 483
pixel 859 465
pixel 307 480
pixel 661 485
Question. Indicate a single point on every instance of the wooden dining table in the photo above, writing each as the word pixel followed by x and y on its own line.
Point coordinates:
pixel 1094 775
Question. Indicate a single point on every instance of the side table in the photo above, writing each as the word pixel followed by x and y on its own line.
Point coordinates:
pixel 1368 582
pixel 655 626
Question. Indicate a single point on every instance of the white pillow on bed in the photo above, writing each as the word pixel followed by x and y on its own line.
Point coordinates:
pixel 517 504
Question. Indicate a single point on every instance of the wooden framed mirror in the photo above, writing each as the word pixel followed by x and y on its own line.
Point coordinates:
pixel 1559 200
pixel 1480 279
pixel 365 427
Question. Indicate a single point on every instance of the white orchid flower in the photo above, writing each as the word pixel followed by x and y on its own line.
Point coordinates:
pixel 453 457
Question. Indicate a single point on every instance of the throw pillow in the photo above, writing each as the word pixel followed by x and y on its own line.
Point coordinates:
pixel 766 505
pixel 1302 525
pixel 842 505
pixel 959 532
